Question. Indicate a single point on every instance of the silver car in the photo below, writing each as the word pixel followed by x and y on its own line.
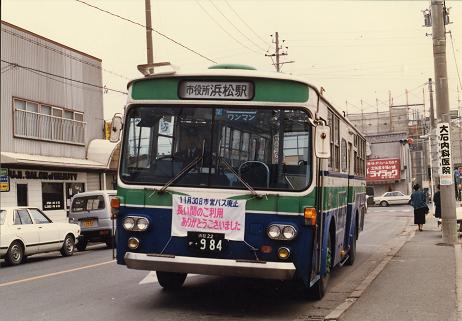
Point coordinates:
pixel 392 198
pixel 92 212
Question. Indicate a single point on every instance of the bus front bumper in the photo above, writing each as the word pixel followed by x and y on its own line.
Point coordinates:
pixel 208 266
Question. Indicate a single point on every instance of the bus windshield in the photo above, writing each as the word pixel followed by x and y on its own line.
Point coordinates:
pixel 217 147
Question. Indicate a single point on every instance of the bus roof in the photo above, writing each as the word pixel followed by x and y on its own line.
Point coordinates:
pixel 240 71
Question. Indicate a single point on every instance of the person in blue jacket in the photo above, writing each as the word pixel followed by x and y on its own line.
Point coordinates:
pixel 419 203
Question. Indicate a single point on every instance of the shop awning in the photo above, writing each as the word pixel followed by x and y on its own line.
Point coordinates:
pixel 8 159
pixel 101 151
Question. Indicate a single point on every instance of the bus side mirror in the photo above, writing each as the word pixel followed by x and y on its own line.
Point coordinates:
pixel 322 141
pixel 116 128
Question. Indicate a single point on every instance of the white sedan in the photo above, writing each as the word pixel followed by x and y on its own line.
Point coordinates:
pixel 27 230
pixel 392 198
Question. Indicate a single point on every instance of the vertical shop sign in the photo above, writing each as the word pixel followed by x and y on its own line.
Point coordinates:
pixel 443 134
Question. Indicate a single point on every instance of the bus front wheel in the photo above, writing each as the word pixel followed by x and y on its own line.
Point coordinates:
pixel 318 289
pixel 171 280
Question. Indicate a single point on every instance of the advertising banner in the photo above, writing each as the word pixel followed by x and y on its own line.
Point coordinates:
pixel 384 169
pixel 202 214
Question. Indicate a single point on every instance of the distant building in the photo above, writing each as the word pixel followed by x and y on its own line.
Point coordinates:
pixel 389 166
pixel 52 123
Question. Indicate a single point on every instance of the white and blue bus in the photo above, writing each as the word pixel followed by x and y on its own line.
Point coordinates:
pixel 234 172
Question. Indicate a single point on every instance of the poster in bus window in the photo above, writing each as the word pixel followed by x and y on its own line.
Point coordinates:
pixel 204 214
pixel 384 169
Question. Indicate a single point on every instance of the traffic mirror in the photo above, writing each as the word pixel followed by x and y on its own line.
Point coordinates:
pixel 116 128
pixel 322 141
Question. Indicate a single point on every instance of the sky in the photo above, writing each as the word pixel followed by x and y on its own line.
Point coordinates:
pixel 358 51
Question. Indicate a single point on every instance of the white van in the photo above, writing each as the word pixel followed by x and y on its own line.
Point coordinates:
pixel 92 212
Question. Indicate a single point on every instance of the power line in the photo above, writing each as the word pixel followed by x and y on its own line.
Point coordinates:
pixel 234 26
pixel 222 28
pixel 66 78
pixel 14 34
pixel 455 60
pixel 243 21
pixel 141 25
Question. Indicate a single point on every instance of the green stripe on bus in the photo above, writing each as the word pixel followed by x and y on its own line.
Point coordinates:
pixel 333 198
pixel 266 90
pixel 271 203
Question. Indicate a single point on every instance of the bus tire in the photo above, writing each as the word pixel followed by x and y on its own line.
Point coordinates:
pixel 318 290
pixel 171 280
pixel 352 252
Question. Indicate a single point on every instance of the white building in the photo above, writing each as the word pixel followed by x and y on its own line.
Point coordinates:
pixel 52 123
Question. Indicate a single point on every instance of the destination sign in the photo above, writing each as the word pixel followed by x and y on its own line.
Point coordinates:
pixel 220 90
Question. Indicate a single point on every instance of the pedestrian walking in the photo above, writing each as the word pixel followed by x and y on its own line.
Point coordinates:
pixel 418 202
pixel 437 203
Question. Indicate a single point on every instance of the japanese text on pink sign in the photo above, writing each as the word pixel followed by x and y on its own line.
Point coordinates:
pixel 202 214
pixel 383 169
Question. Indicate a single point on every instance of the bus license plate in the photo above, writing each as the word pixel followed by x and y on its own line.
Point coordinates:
pixel 207 242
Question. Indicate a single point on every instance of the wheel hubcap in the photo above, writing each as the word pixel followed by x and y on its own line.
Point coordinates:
pixel 16 253
pixel 69 245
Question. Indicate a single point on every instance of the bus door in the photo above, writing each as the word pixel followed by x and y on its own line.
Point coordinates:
pixel 350 198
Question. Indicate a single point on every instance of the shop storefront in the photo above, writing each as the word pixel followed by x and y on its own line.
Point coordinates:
pixel 49 183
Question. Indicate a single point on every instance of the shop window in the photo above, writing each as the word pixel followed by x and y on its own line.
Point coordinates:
pixel 21 194
pixel 52 196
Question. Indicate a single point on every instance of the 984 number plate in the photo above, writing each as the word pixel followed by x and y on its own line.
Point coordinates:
pixel 208 243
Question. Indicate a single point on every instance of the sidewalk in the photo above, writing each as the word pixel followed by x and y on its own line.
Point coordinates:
pixel 419 283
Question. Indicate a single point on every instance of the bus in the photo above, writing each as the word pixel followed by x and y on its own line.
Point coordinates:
pixel 235 172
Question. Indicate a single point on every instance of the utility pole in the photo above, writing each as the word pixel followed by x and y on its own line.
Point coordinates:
pixel 362 117
pixel 448 202
pixel 278 52
pixel 148 68
pixel 432 112
pixel 460 125
pixel 149 51
pixel 390 103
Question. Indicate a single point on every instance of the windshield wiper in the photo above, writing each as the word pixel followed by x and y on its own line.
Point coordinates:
pixel 185 170
pixel 231 169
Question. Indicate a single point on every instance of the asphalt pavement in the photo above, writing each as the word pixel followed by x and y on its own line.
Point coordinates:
pixel 422 281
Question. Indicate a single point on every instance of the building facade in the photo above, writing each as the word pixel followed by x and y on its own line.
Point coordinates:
pixel 52 144
pixel 389 161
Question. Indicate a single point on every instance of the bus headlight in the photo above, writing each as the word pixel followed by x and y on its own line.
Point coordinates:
pixel 142 224
pixel 289 232
pixel 274 231
pixel 281 232
pixel 129 223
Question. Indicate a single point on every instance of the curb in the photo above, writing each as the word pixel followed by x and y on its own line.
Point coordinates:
pixel 356 294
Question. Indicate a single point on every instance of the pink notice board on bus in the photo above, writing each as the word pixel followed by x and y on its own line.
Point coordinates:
pixel 385 169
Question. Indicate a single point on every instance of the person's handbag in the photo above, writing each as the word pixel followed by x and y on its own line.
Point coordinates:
pixel 426 209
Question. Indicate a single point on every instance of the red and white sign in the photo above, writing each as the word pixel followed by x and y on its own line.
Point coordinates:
pixel 213 215
pixel 384 169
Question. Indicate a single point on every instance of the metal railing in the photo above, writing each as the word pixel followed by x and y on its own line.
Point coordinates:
pixel 33 125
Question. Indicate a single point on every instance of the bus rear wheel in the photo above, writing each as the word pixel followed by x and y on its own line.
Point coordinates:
pixel 171 280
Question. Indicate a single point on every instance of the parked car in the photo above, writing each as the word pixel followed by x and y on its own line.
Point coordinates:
pixel 392 198
pixel 26 231
pixel 92 212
